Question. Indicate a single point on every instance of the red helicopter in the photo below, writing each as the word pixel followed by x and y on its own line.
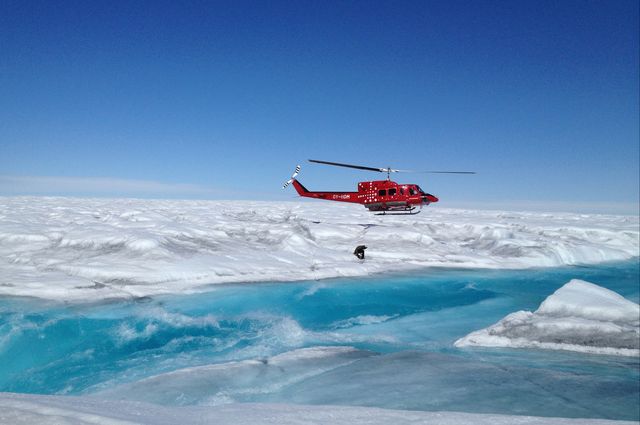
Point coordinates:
pixel 379 196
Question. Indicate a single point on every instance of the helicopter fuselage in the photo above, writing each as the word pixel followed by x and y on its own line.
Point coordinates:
pixel 377 195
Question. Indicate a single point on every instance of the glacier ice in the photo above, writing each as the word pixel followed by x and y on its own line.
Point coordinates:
pixel 23 409
pixel 90 249
pixel 226 382
pixel 97 249
pixel 580 316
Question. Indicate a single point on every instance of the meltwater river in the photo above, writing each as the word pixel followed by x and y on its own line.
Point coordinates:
pixel 385 341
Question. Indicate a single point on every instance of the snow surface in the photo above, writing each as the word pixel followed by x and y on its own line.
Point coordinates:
pixel 580 316
pixel 22 409
pixel 91 249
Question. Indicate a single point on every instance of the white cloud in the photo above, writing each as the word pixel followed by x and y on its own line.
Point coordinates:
pixel 97 186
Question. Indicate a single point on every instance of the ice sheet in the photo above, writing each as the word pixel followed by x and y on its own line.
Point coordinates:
pixel 89 249
pixel 20 409
pixel 224 383
pixel 580 316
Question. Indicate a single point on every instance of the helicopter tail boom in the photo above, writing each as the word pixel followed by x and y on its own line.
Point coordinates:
pixel 332 196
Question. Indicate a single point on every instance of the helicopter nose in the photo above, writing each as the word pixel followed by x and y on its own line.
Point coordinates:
pixel 429 198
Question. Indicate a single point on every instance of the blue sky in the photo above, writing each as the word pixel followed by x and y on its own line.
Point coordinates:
pixel 220 100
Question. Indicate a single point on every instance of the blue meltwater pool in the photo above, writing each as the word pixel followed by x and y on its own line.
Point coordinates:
pixel 384 341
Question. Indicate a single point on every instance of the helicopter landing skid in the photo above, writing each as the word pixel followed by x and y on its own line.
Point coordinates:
pixel 408 212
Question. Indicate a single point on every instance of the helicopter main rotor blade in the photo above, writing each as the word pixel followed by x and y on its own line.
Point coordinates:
pixel 388 170
pixel 439 172
pixel 357 167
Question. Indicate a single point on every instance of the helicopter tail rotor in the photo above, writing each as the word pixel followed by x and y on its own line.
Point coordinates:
pixel 293 176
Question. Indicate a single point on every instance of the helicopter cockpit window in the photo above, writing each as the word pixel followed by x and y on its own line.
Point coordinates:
pixel 420 190
pixel 412 191
pixel 392 191
pixel 382 192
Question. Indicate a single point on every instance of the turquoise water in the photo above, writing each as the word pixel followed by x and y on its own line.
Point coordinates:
pixel 401 326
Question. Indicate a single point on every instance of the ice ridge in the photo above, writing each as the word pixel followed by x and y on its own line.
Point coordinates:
pixel 580 316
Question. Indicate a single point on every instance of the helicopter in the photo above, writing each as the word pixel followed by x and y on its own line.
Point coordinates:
pixel 378 196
